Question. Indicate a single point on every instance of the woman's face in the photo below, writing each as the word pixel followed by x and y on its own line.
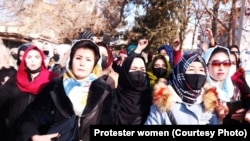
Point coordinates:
pixel 195 68
pixel 159 63
pixel 137 65
pixel 83 62
pixel 236 51
pixel 233 63
pixel 219 66
pixel 33 60
pixel 21 55
pixel 163 52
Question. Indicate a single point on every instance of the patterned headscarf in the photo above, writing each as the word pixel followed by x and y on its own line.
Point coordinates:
pixel 77 90
pixel 178 81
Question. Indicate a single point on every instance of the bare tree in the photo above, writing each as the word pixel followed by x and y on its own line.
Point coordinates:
pixel 227 23
pixel 64 19
pixel 163 22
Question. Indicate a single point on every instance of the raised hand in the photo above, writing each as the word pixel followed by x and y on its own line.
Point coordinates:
pixel 142 44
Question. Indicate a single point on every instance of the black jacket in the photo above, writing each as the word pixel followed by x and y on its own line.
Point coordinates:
pixel 44 111
pixel 12 101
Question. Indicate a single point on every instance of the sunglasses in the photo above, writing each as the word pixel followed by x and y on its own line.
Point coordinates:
pixel 219 63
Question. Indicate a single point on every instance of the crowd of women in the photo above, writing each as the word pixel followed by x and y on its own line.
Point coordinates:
pixel 171 87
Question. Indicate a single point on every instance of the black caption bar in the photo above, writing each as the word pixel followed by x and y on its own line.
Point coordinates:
pixel 163 132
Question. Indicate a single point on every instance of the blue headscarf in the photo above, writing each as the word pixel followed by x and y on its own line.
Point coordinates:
pixel 169 51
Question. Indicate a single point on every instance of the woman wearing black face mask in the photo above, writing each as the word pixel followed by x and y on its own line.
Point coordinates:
pixel 184 101
pixel 159 67
pixel 132 96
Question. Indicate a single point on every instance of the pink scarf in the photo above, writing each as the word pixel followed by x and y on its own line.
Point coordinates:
pixel 39 82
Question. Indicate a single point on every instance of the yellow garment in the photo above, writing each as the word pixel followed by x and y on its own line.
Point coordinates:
pixel 152 78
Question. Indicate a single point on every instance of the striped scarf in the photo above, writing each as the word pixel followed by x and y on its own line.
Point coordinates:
pixel 178 81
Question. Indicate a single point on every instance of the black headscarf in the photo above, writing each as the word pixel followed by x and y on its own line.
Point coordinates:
pixel 132 103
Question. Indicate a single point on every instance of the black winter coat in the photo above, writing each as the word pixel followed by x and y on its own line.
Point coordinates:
pixel 44 110
pixel 12 101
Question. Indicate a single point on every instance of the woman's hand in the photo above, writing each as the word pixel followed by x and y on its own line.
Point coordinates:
pixel 247 116
pixel 142 44
pixel 48 137
pixel 123 57
pixel 209 33
pixel 239 115
pixel 221 110
pixel 176 44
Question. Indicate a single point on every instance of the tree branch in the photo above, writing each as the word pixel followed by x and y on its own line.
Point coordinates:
pixel 211 13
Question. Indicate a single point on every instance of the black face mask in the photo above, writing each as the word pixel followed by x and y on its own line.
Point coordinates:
pixel 195 81
pixel 104 61
pixel 56 57
pixel 46 52
pixel 138 78
pixel 159 72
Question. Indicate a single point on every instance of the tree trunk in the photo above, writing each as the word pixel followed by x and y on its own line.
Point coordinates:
pixel 214 20
pixel 232 24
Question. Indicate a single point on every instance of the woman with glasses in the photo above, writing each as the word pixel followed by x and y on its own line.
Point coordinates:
pixel 78 92
pixel 183 100
pixel 219 65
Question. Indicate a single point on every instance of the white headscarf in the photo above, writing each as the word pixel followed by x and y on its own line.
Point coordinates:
pixel 226 91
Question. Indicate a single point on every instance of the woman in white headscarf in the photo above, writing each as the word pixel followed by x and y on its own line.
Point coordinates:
pixel 219 65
